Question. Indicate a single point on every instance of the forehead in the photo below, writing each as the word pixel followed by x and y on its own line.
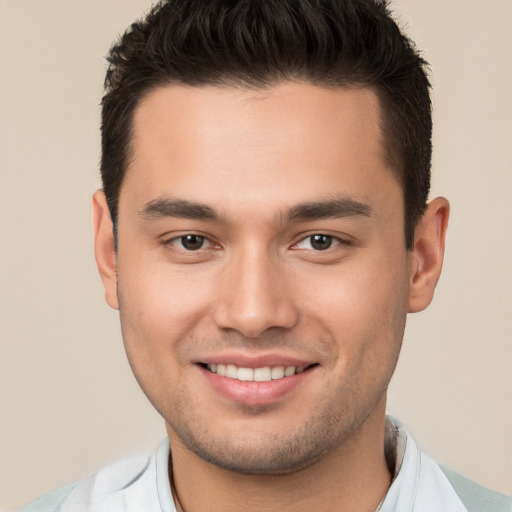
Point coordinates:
pixel 280 145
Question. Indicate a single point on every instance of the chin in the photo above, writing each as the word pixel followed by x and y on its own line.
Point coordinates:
pixel 278 456
pixel 269 451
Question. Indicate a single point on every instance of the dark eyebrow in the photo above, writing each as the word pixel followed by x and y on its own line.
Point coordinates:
pixel 177 208
pixel 315 210
pixel 335 208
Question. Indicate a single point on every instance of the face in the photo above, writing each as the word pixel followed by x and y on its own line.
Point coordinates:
pixel 262 274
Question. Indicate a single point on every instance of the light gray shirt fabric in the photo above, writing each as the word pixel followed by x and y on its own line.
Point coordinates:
pixel 142 484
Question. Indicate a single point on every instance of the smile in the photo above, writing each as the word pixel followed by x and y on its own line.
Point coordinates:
pixel 256 382
pixel 263 374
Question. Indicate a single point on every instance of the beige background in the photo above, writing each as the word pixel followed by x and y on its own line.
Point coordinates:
pixel 68 401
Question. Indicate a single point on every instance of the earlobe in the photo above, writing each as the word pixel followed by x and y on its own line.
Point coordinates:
pixel 104 249
pixel 426 257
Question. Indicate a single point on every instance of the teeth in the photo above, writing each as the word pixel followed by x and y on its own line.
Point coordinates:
pixel 289 371
pixel 245 374
pixel 231 371
pixel 277 372
pixel 263 374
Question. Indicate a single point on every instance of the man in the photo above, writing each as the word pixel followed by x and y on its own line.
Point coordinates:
pixel 264 230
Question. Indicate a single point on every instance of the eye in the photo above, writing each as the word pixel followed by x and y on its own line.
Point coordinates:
pixel 191 242
pixel 318 242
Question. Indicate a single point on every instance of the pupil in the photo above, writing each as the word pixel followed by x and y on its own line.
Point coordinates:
pixel 321 242
pixel 192 242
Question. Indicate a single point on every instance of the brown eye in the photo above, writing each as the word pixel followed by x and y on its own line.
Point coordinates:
pixel 191 242
pixel 318 242
pixel 321 242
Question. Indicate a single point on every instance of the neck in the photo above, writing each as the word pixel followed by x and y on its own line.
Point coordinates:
pixel 354 476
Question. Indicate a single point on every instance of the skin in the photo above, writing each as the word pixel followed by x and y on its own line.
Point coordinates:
pixel 257 289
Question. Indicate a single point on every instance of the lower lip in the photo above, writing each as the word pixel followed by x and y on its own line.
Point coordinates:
pixel 254 393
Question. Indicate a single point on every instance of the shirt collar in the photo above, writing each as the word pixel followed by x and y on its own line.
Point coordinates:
pixel 417 480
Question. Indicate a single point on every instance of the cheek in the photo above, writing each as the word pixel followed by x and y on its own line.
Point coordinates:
pixel 160 297
pixel 363 305
pixel 159 312
pixel 159 309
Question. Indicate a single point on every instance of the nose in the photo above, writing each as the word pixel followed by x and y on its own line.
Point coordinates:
pixel 253 296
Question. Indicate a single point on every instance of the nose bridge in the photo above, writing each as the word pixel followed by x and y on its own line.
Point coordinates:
pixel 253 295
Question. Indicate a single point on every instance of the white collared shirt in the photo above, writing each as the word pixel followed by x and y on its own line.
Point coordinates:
pixel 142 484
pixel 419 484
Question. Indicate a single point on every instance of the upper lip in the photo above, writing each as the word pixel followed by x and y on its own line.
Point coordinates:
pixel 244 360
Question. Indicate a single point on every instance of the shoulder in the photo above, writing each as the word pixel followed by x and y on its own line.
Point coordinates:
pixel 51 501
pixel 100 487
pixel 423 485
pixel 131 485
pixel 475 497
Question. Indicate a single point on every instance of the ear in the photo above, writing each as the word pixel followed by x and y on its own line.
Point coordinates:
pixel 426 257
pixel 104 247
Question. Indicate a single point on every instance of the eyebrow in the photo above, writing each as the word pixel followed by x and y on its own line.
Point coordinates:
pixel 330 209
pixel 179 208
pixel 314 210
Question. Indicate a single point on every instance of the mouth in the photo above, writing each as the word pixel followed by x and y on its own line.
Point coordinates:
pixel 262 374
pixel 256 381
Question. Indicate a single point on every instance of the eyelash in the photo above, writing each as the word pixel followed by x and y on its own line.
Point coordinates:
pixel 179 240
pixel 333 241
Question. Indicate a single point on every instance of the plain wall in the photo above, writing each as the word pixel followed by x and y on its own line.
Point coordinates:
pixel 68 401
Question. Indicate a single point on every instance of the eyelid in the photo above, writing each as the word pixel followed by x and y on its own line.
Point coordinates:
pixel 211 243
pixel 175 241
pixel 337 240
